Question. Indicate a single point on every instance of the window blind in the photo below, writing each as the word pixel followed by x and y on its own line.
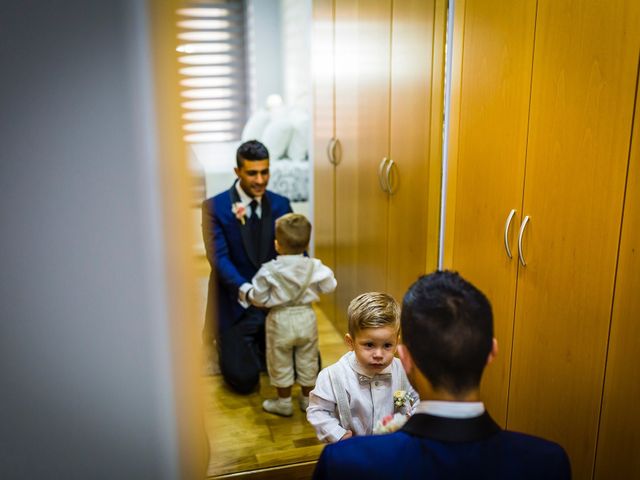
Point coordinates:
pixel 211 43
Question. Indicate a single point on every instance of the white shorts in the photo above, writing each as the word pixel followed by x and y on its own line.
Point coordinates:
pixel 292 332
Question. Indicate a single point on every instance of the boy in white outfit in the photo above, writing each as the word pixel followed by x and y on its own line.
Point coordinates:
pixel 287 285
pixel 368 383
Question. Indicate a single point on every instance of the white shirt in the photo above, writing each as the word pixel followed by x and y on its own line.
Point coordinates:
pixel 369 402
pixel 279 281
pixel 246 200
pixel 440 408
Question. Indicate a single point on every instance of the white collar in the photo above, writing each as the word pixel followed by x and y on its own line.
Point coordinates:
pixel 244 198
pixel 291 257
pixel 451 409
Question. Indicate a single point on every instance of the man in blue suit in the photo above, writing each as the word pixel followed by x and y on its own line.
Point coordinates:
pixel 238 229
pixel 447 330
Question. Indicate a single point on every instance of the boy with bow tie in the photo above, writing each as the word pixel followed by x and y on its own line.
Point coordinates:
pixel 354 394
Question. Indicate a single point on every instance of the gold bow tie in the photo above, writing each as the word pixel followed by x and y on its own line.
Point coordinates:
pixel 381 377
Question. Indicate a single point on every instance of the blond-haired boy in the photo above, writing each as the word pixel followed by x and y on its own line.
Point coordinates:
pixel 287 285
pixel 354 394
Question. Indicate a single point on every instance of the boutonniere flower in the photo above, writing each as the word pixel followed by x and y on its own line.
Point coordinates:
pixel 240 211
pixel 390 423
pixel 402 398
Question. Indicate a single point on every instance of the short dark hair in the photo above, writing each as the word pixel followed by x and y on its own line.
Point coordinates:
pixel 293 232
pixel 447 325
pixel 251 150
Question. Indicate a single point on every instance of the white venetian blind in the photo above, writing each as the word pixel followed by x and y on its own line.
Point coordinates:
pixel 212 70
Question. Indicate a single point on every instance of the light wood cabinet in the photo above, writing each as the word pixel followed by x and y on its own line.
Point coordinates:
pixel 545 107
pixel 619 437
pixel 492 122
pixel 378 170
pixel 324 230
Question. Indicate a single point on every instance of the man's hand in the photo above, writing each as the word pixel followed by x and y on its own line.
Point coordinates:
pixel 349 434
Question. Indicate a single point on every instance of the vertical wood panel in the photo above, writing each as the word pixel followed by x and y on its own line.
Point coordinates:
pixel 619 437
pixel 412 47
pixel 323 132
pixel 346 131
pixel 581 109
pixel 436 141
pixel 494 102
pixel 374 50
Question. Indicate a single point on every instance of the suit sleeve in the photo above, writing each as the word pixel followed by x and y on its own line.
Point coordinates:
pixel 217 249
pixel 562 469
pixel 321 471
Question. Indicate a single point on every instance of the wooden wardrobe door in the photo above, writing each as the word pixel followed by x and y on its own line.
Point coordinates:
pixel 411 74
pixel 346 132
pixel 323 133
pixel 494 103
pixel 374 50
pixel 619 437
pixel 584 79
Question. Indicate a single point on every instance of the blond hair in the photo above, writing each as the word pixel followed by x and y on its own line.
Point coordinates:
pixel 373 310
pixel 293 232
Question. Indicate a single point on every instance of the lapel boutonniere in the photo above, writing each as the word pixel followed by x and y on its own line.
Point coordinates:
pixel 402 400
pixel 240 211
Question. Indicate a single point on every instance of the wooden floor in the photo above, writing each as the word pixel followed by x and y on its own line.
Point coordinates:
pixel 244 438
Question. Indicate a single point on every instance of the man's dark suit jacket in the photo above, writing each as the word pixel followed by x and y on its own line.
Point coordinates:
pixel 230 250
pixel 430 447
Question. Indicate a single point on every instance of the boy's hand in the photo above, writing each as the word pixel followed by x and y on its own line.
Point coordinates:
pixel 349 434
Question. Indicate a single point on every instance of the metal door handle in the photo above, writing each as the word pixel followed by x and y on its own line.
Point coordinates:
pixel 334 146
pixel 331 151
pixel 522 227
pixel 388 176
pixel 380 178
pixel 507 224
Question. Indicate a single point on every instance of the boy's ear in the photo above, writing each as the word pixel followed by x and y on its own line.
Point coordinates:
pixel 349 341
pixel 406 358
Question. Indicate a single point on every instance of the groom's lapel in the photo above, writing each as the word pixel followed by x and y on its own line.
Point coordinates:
pixel 245 233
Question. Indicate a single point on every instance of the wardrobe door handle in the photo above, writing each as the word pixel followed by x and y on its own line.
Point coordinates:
pixel 388 176
pixel 334 149
pixel 380 180
pixel 330 150
pixel 522 227
pixel 507 224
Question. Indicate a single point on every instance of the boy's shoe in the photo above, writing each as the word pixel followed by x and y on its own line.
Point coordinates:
pixel 277 406
pixel 304 402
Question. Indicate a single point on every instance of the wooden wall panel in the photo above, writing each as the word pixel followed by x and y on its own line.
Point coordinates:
pixel 584 78
pixel 619 434
pixel 411 76
pixel 323 132
pixel 374 52
pixel 492 134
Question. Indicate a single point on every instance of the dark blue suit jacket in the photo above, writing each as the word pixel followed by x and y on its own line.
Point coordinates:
pixel 430 447
pixel 230 250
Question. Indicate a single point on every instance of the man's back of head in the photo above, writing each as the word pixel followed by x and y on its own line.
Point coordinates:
pixel 447 329
pixel 447 325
